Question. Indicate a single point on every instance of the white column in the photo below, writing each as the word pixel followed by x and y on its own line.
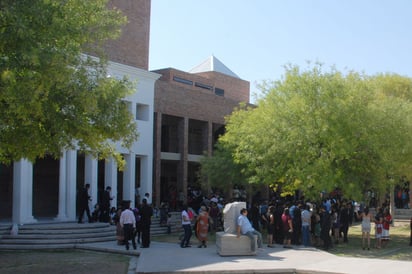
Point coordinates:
pixel 129 176
pixel 146 185
pixel 23 192
pixel 110 178
pixel 90 177
pixel 71 172
pixel 62 214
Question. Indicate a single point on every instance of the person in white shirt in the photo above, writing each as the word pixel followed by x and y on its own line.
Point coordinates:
pixel 128 223
pixel 187 227
pixel 306 222
pixel 244 227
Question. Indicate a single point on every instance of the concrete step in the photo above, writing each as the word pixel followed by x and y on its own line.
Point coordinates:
pixel 59 241
pixel 36 247
pixel 68 231
pixel 404 214
pixel 66 235
pixel 57 235
pixel 401 214
pixel 53 235
pixel 157 229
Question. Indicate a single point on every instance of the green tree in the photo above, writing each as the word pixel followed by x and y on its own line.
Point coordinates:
pixel 52 95
pixel 221 171
pixel 316 130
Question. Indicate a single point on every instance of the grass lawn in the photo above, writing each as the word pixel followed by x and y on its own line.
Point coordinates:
pixel 397 248
pixel 62 261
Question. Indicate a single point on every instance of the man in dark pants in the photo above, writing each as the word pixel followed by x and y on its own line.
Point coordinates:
pixel 146 213
pixel 325 224
pixel 345 220
pixel 84 199
pixel 105 205
pixel 187 227
pixel 128 223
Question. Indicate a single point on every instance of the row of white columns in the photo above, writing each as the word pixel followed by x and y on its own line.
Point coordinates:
pixel 23 184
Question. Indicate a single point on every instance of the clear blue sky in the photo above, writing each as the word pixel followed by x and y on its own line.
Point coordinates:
pixel 256 38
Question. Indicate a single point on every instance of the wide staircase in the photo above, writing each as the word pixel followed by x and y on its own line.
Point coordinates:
pixel 403 214
pixel 52 235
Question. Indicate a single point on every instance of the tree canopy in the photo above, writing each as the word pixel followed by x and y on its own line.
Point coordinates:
pixel 315 130
pixel 221 171
pixel 52 95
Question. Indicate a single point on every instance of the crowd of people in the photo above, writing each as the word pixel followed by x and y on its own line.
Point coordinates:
pixel 402 196
pixel 133 224
pixel 295 222
pixel 324 224
pixel 286 221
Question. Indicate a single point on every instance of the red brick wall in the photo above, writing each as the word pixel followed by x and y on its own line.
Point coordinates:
pixel 132 48
pixel 177 100
pixel 235 90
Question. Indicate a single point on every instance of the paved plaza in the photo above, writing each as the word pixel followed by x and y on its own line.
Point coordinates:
pixel 170 258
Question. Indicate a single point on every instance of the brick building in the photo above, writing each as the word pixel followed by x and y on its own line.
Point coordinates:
pixel 189 117
pixel 179 116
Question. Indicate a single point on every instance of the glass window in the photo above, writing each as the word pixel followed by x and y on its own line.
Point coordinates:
pixel 142 112
pixel 219 91
pixel 200 85
pixel 182 80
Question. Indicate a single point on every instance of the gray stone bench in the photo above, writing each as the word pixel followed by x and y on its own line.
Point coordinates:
pixel 227 244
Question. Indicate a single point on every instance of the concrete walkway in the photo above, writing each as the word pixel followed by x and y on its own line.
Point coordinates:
pixel 170 258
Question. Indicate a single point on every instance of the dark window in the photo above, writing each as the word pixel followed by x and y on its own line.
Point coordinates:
pixel 219 91
pixel 182 80
pixel 200 85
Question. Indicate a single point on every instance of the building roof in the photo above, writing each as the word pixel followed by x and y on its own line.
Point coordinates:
pixel 213 64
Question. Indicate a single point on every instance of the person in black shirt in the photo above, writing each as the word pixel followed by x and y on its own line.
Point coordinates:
pixel 84 199
pixel 325 225
pixel 146 213
pixel 105 205
pixel 345 220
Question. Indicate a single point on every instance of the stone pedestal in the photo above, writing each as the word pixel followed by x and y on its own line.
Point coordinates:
pixel 227 244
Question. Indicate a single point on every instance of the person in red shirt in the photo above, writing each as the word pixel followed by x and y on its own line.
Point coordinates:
pixel 287 228
pixel 387 221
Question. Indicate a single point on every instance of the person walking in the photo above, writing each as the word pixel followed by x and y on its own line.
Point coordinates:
pixel 128 223
pixel 244 227
pixel 84 199
pixel 187 227
pixel 202 226
pixel 366 218
pixel 146 213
